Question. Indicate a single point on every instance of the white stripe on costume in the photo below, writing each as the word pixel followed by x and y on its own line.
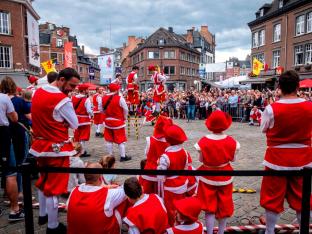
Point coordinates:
pixel 177 190
pixel 189 227
pixel 215 183
pixel 282 168
pixel 52 154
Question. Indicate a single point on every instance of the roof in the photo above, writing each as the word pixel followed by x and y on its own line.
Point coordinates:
pixel 275 11
pixel 44 38
pixel 171 39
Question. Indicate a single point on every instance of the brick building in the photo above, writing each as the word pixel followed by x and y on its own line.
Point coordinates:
pixel 282 36
pixel 19 40
pixel 173 54
pixel 52 41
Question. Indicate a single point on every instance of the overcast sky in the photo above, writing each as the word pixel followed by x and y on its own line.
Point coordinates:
pixel 93 20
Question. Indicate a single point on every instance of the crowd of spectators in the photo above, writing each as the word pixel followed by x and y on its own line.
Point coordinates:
pixel 194 104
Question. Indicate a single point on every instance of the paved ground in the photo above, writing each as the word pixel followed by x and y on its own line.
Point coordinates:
pixel 250 157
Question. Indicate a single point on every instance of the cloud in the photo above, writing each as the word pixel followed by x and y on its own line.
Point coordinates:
pixel 108 23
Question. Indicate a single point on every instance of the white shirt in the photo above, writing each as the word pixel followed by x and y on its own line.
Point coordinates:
pixel 75 179
pixel 64 110
pixel 6 107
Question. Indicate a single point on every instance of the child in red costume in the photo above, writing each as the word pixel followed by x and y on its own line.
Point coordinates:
pixel 216 152
pixel 188 210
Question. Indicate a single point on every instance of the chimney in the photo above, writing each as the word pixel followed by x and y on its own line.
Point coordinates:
pixel 82 48
pixel 189 36
pixel 124 44
pixel 131 39
pixel 204 28
pixel 170 29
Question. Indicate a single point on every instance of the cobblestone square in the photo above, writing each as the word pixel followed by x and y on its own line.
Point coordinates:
pixel 249 158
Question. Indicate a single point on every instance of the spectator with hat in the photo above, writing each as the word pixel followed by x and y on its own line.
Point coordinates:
pixel 33 80
pixel 116 111
pixel 175 157
pixel 83 109
pixel 216 152
pixel 188 210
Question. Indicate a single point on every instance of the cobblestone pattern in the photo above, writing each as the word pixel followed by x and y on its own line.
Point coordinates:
pixel 250 157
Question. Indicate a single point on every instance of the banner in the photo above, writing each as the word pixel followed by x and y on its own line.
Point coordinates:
pixel 257 66
pixel 33 40
pixel 68 51
pixel 48 66
pixel 106 64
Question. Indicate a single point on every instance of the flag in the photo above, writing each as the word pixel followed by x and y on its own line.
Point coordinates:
pixel 48 66
pixel 68 50
pixel 257 66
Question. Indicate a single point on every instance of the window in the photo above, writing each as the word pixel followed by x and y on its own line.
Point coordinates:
pixel 261 38
pixel 80 69
pixel 260 57
pixel 261 12
pixel 276 58
pixel 61 58
pixel 59 42
pixel 54 57
pixel 5 57
pixel 255 39
pixel 161 42
pixel 183 56
pixel 280 3
pixel 300 25
pixel 142 56
pixel 153 54
pixel 169 70
pixel 299 56
pixel 309 22
pixel 308 54
pixel 5 25
pixel 277 32
pixel 169 54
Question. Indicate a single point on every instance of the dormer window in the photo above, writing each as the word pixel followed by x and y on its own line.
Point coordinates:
pixel 280 3
pixel 161 42
pixel 261 12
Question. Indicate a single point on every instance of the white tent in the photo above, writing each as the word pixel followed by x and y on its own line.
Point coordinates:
pixel 232 82
pixel 42 81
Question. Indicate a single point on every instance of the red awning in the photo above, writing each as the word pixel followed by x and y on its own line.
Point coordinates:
pixel 307 83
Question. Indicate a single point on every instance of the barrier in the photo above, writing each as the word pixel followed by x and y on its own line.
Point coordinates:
pixel 26 169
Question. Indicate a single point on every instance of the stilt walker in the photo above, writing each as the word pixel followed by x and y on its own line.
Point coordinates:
pixel 288 127
pixel 159 80
pixel 115 110
pixel 82 106
pixel 98 112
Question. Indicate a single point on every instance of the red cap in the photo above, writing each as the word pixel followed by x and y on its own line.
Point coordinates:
pixel 161 124
pixel 83 87
pixel 218 121
pixel 188 207
pixel 151 67
pixel 175 135
pixel 113 87
pixel 18 89
pixel 32 79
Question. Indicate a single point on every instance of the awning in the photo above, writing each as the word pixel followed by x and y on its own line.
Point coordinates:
pixel 20 78
pixel 257 80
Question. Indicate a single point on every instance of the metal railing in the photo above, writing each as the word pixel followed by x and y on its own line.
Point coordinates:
pixel 26 169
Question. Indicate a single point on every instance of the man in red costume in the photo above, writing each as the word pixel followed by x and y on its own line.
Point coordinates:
pixel 33 83
pixel 115 110
pixel 83 109
pixel 159 80
pixel 288 127
pixel 97 111
pixel 52 115
pixel 148 213
pixel 133 87
pixel 91 207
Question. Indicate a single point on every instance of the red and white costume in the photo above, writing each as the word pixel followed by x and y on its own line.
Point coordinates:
pixel 83 109
pixel 33 83
pixel 194 228
pixel 288 126
pixel 133 88
pixel 174 158
pixel 215 192
pixel 155 147
pixel 147 215
pixel 190 209
pixel 52 114
pixel 159 81
pixel 92 209
pixel 97 109
pixel 255 115
pixel 115 116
